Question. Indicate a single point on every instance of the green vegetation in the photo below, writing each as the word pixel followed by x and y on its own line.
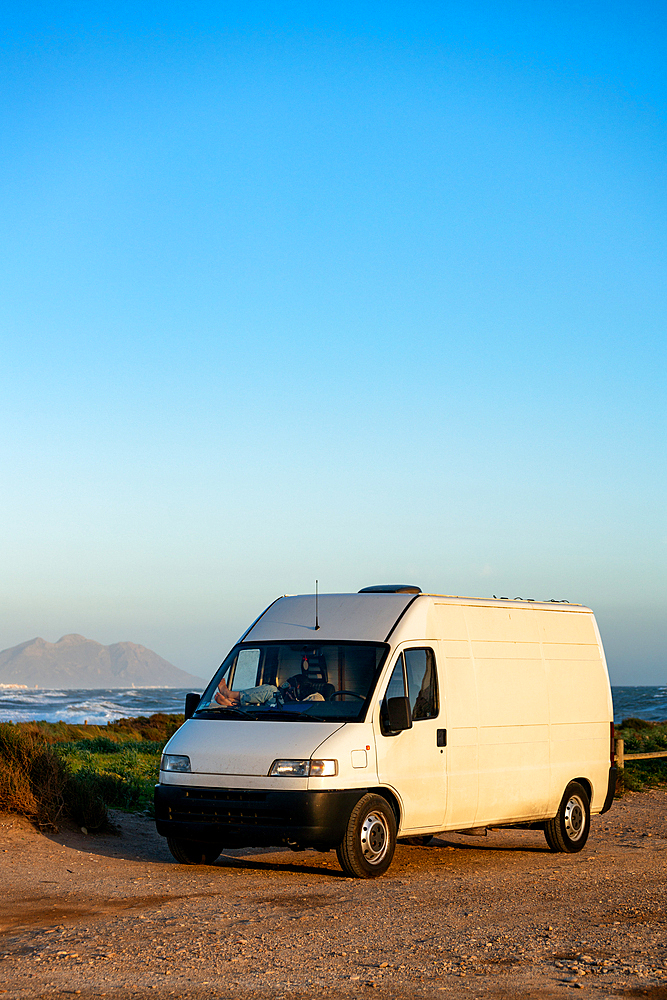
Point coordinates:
pixel 156 727
pixel 50 770
pixel 641 736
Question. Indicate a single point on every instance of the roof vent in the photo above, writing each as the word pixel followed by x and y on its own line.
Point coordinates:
pixel 391 588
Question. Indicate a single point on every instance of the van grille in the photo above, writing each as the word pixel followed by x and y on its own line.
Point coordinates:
pixel 225 808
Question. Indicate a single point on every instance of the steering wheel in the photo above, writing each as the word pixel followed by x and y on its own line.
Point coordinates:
pixel 352 694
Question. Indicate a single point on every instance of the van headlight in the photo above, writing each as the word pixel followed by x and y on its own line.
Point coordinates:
pixel 175 762
pixel 303 768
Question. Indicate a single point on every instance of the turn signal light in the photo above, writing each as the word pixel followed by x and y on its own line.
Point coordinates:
pixel 303 768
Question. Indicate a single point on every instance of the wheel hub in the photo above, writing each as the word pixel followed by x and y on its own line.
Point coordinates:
pixel 575 816
pixel 374 838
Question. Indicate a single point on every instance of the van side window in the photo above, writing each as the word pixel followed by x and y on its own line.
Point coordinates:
pixel 422 683
pixel 395 689
pixel 413 675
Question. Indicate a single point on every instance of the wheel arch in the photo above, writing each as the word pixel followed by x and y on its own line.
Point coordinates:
pixel 587 786
pixel 393 801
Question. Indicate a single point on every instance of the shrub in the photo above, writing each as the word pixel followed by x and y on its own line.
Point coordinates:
pixel 85 802
pixel 632 723
pixel 638 775
pixel 640 736
pixel 32 777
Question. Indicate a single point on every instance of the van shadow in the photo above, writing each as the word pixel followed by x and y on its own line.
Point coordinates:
pixel 128 838
pixel 134 838
pixel 250 864
pixel 486 844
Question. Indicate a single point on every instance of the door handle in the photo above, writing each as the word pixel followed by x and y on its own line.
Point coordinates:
pixel 441 737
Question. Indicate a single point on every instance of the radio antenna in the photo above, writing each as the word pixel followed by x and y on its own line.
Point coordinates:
pixel 317 620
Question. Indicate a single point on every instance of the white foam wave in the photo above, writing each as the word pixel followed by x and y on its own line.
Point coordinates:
pixel 95 707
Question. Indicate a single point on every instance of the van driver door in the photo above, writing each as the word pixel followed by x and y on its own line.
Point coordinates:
pixel 413 762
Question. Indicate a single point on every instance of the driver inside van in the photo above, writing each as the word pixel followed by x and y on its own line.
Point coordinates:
pixel 310 685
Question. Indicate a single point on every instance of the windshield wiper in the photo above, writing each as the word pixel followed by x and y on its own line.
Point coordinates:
pixel 238 713
pixel 280 713
pixel 307 716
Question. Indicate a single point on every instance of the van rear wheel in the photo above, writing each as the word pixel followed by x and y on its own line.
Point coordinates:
pixel 191 852
pixel 368 846
pixel 568 831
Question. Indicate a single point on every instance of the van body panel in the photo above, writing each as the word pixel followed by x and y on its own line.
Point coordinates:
pixel 236 746
pixel 413 625
pixel 585 746
pixel 353 747
pixel 460 688
pixel 448 622
pixel 411 763
pixel 511 692
pixel 361 617
pixel 514 776
pixel 576 691
pixel 573 627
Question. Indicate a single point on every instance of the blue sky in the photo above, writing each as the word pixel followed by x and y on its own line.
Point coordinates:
pixel 368 293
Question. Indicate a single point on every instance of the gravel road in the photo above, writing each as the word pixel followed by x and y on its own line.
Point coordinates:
pixel 496 916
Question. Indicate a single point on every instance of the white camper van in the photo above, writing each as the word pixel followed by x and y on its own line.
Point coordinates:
pixel 355 720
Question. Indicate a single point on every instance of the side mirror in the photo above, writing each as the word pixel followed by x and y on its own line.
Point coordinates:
pixel 399 714
pixel 191 702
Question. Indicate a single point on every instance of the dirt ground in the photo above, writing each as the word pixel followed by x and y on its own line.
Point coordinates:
pixel 114 916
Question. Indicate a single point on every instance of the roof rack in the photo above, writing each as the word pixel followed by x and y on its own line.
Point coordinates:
pixel 391 588
pixel 551 600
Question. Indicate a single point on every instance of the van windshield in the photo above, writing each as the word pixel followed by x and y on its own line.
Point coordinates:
pixel 313 682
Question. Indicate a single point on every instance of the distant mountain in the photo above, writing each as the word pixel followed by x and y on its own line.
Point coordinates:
pixel 76 662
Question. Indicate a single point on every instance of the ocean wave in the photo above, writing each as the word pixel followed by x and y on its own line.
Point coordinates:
pixel 648 703
pixel 31 696
pixel 96 707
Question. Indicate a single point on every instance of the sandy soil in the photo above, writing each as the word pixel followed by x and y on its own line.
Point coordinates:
pixel 500 916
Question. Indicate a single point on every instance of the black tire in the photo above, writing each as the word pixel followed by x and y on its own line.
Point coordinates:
pixel 191 852
pixel 368 846
pixel 417 841
pixel 568 831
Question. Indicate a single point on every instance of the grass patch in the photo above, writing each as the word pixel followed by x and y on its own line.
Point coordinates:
pixel 158 727
pixel 121 774
pixel 52 769
pixel 641 736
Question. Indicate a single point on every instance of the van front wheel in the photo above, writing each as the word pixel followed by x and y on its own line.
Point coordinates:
pixel 368 846
pixel 567 832
pixel 190 852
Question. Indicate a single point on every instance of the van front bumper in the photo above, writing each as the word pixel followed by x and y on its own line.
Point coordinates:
pixel 236 817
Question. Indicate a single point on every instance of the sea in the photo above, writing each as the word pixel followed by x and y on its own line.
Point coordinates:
pixel 96 707
pixel 107 705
